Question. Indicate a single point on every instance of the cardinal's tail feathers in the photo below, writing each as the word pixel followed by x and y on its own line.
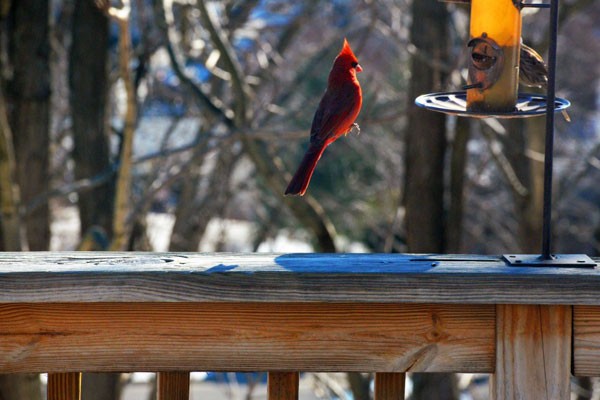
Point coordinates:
pixel 301 178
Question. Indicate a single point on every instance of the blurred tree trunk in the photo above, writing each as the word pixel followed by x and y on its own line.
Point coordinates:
pixel 21 386
pixel 425 152
pixel 360 385
pixel 525 150
pixel 434 386
pixel 88 83
pixel 10 200
pixel 458 161
pixel 100 386
pixel 191 218
pixel 29 94
pixel 120 226
pixel 426 132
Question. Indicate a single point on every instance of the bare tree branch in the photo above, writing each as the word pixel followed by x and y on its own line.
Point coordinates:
pixel 310 212
pixel 74 187
pixel 123 187
pixel 502 161
pixel 241 90
pixel 239 12
pixel 164 18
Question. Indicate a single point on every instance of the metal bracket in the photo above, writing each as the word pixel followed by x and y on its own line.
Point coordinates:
pixel 557 260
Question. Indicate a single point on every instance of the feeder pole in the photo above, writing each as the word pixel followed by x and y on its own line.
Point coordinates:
pixel 549 150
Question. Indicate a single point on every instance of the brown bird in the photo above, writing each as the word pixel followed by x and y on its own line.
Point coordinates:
pixel 533 71
pixel 532 68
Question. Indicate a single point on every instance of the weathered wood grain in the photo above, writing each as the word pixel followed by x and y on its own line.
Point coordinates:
pixel 275 337
pixel 173 385
pixel 389 385
pixel 64 386
pixel 533 353
pixel 283 385
pixel 362 278
pixel 586 341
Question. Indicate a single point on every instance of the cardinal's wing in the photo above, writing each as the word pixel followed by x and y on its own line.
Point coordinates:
pixel 336 113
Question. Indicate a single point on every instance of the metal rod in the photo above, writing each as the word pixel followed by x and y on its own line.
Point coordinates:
pixel 549 151
pixel 535 5
pixel 521 4
pixel 476 85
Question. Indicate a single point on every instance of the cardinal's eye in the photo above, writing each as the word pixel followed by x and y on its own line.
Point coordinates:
pixel 354 64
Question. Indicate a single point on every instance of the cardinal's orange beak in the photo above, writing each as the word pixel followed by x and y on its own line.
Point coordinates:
pixel 358 68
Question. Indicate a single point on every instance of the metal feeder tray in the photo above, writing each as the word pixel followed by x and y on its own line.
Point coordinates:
pixel 455 103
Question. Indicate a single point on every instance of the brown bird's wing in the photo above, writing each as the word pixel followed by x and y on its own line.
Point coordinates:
pixel 337 111
pixel 532 69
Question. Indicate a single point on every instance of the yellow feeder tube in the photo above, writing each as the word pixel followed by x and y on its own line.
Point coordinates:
pixel 497 22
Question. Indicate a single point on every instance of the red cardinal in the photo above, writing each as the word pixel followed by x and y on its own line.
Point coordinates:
pixel 335 116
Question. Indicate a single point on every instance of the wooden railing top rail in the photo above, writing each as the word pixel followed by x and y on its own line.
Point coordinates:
pixel 69 312
pixel 104 277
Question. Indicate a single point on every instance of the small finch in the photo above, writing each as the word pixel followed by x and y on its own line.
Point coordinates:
pixel 334 117
pixel 533 71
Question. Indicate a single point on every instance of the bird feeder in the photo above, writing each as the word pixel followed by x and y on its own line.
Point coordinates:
pixel 494 56
pixel 492 91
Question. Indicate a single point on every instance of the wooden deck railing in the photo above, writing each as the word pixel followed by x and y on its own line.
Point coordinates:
pixel 531 328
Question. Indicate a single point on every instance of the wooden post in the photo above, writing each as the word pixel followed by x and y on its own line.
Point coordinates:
pixel 283 386
pixel 173 386
pixel 586 341
pixel 533 352
pixel 64 386
pixel 389 385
